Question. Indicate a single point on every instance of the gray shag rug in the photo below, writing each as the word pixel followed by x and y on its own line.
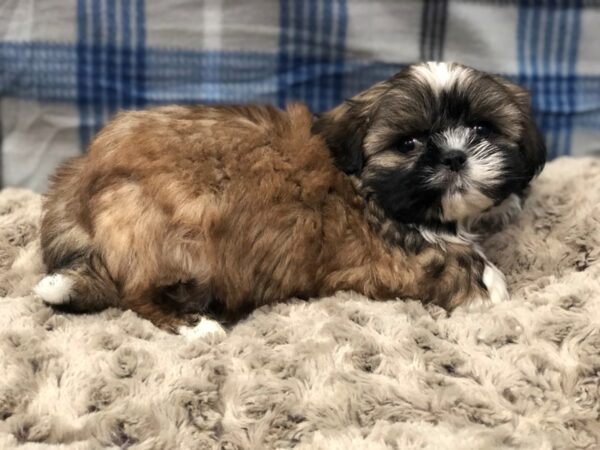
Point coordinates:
pixel 335 373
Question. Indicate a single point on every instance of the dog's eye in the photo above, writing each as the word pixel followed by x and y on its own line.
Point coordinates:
pixel 408 144
pixel 481 130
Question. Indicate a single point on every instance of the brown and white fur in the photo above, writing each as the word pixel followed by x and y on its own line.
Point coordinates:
pixel 176 212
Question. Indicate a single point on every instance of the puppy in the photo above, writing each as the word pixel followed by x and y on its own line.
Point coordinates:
pixel 438 145
pixel 179 211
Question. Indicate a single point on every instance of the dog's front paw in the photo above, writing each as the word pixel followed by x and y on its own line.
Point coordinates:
pixel 496 290
pixel 495 283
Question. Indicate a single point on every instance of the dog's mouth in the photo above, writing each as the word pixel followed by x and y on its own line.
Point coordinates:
pixel 452 181
pixel 450 176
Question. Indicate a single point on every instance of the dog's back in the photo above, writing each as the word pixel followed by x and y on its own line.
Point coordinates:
pixel 177 206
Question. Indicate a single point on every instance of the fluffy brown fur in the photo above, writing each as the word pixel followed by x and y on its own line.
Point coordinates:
pixel 177 210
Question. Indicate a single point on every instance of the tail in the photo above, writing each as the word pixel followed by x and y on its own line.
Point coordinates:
pixel 77 278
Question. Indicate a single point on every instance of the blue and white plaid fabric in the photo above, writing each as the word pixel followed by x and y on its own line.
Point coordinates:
pixel 67 66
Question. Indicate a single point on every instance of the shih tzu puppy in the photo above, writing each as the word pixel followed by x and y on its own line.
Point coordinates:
pixel 179 211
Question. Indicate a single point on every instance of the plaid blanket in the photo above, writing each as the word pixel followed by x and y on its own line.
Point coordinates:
pixel 67 66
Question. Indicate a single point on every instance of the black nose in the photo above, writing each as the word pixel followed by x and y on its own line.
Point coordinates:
pixel 454 159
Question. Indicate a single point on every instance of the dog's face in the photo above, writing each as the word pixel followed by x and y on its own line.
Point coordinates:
pixel 437 142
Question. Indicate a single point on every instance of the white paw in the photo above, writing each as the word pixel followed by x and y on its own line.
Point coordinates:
pixel 495 283
pixel 54 289
pixel 204 328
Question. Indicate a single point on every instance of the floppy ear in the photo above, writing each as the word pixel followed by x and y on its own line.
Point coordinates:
pixel 344 131
pixel 534 147
pixel 345 127
pixel 532 140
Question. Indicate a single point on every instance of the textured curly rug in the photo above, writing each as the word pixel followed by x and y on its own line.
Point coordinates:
pixel 336 373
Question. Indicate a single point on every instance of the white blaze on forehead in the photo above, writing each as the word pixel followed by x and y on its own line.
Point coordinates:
pixel 440 75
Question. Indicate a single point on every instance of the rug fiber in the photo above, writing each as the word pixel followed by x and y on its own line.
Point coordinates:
pixel 335 373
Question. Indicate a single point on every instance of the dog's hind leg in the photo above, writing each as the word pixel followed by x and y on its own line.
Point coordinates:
pixel 87 287
pixel 178 308
pixel 84 285
pixel 78 279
